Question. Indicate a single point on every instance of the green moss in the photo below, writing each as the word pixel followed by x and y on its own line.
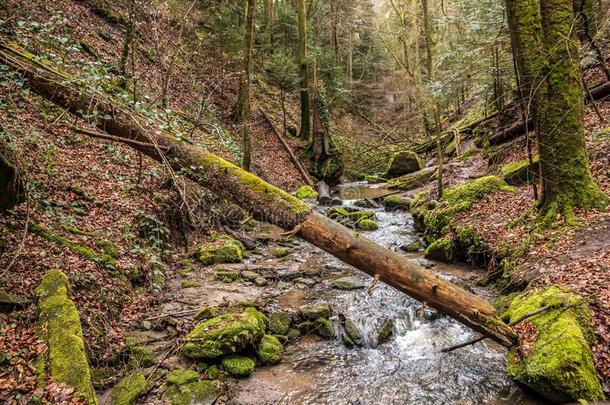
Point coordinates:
pixel 129 389
pixel 396 202
pixel 269 350
pixel 413 246
pixel 225 334
pixel 521 171
pixel 238 366
pixel 58 317
pixel 182 377
pixel 141 356
pixel 108 248
pixel 450 149
pixel 367 225
pixel 442 250
pixel 207 313
pixel 374 179
pixel 476 189
pixel 213 372
pixel 279 323
pixel 468 154
pixel 307 193
pixel 223 249
pixel 75 231
pixel 190 284
pixel 559 364
pixel 470 247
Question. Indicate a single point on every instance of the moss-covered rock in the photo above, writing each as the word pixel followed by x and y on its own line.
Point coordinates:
pixel 558 364
pixel 385 332
pixel 238 366
pixel 59 325
pixel 313 312
pixel 139 356
pixel 413 180
pixel 127 391
pixel 307 193
pixel 470 247
pixel 396 202
pixel 521 171
pixel 442 250
pixel 413 246
pixel 279 323
pixel 269 350
pixel 226 276
pixel 207 313
pixel 402 163
pixel 347 283
pixel 225 334
pixel 354 334
pixel 280 252
pixel 325 328
pixel 182 376
pixel 367 225
pixel 223 249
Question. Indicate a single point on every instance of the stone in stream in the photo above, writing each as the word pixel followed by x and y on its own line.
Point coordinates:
pixel 324 327
pixel 238 366
pixel 367 225
pixel 385 331
pixel 313 312
pixel 279 323
pixel 396 203
pixel 402 163
pixel 184 388
pixel 347 283
pixel 366 203
pixel 412 247
pixel 225 334
pixel 353 332
pixel 269 350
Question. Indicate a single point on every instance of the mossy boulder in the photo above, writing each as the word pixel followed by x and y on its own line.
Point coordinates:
pixel 521 171
pixel 557 363
pixel 269 350
pixel 413 180
pixel 339 213
pixel 184 388
pixel 413 247
pixel 279 323
pixel 367 225
pixel 207 313
pixel 307 193
pixel 385 332
pixel 225 334
pixel 227 276
pixel 182 376
pixel 238 366
pixel 442 250
pixel 281 251
pixel 59 325
pixel 129 389
pixel 324 327
pixel 354 334
pixel 223 249
pixel 313 312
pixel 402 163
pixel 140 356
pixel 396 203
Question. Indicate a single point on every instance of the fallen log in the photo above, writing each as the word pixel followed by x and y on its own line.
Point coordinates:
pixel 263 201
pixel 288 149
pixel 514 131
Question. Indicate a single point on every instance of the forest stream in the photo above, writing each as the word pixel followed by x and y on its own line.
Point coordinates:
pixel 409 367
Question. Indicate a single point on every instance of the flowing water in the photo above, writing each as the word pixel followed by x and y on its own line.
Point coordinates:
pixel 409 368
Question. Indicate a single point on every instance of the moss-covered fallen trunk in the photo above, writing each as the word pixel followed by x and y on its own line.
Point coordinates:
pixel 64 361
pixel 555 360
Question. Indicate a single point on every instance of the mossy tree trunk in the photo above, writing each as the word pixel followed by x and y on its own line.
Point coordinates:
pixel 302 61
pixel 263 201
pixel 547 57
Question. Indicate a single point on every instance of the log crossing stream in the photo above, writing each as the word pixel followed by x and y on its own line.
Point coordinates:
pixel 409 367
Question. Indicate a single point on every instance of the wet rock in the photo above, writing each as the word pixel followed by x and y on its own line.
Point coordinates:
pixel 238 366
pixel 127 391
pixel 279 323
pixel 261 281
pixel 183 388
pixel 313 312
pixel 347 283
pixel 325 328
pixel 431 314
pixel 412 247
pixel 293 335
pixel 223 249
pixel 225 334
pixel 353 332
pixel 9 303
pixel 366 203
pixel 385 331
pixel 269 350
pixel 402 163
pixel 249 275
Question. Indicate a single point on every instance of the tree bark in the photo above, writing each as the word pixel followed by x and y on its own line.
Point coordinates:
pixel 11 187
pixel 264 201
pixel 302 61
